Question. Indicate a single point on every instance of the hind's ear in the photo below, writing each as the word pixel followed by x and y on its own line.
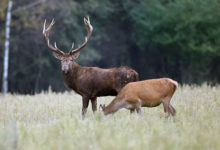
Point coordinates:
pixel 58 56
pixel 101 107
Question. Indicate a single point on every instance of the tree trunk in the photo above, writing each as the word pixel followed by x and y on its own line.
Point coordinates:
pixel 6 54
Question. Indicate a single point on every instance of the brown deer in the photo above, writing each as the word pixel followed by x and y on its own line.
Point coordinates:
pixel 147 93
pixel 89 82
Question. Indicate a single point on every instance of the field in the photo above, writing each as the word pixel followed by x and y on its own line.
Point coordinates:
pixel 52 121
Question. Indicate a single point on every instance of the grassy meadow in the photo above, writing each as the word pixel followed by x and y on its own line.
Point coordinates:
pixel 52 121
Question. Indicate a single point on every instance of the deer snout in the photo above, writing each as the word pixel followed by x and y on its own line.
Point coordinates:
pixel 65 68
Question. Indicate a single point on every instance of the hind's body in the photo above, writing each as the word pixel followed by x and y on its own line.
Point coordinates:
pixel 147 93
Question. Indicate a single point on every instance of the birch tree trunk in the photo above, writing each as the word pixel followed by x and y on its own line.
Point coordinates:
pixel 6 53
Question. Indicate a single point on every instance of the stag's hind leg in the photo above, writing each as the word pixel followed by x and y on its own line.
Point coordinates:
pixel 94 104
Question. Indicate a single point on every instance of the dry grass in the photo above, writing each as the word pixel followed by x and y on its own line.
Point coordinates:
pixel 52 121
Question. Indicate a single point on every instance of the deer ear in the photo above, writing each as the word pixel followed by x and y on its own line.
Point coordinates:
pixel 75 56
pixel 58 56
pixel 101 107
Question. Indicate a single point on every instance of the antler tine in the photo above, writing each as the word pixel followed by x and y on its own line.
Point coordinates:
pixel 55 45
pixel 49 27
pixel 44 25
pixel 51 24
pixel 90 29
pixel 46 32
pixel 87 23
pixel 72 47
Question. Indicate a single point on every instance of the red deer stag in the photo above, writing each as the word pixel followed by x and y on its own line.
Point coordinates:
pixel 89 82
pixel 148 93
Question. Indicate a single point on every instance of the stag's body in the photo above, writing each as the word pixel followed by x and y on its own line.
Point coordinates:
pixel 94 82
pixel 148 93
pixel 89 82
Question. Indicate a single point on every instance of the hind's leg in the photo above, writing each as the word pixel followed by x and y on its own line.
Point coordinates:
pixel 132 111
pixel 166 107
pixel 138 109
pixel 172 110
pixel 134 104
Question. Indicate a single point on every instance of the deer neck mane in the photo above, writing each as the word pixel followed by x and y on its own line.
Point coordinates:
pixel 71 77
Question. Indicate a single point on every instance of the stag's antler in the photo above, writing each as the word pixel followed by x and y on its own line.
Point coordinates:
pixel 89 28
pixel 46 36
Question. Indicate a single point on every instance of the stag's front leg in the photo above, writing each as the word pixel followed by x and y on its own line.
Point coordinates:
pixel 94 104
pixel 85 101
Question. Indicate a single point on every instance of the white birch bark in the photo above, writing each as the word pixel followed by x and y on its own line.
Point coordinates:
pixel 6 54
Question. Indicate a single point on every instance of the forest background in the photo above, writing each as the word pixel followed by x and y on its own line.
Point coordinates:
pixel 158 38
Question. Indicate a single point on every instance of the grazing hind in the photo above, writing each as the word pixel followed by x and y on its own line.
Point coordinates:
pixel 147 93
pixel 89 82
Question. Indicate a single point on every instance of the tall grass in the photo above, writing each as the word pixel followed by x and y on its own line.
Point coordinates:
pixel 52 121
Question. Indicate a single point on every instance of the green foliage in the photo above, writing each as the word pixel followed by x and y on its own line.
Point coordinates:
pixel 191 28
pixel 191 25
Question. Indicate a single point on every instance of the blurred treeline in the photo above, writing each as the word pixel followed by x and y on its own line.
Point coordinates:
pixel 158 38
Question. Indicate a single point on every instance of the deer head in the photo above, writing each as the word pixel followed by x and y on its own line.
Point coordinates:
pixel 66 58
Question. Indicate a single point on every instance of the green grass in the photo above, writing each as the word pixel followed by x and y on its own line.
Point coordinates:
pixel 52 121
